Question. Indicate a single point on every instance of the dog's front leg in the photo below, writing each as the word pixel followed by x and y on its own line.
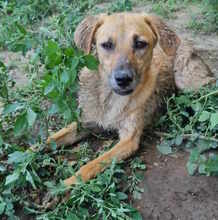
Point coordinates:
pixel 68 135
pixel 123 149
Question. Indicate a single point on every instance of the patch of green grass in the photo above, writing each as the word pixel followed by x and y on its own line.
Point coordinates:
pixel 120 5
pixel 207 19
pixel 167 8
pixel 100 198
pixel 192 124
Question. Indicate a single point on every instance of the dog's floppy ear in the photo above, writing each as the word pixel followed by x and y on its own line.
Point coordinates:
pixel 85 32
pixel 167 38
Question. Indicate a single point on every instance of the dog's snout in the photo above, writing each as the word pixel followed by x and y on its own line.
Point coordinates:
pixel 123 77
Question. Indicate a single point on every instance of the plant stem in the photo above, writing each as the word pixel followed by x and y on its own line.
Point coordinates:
pixel 207 95
pixel 187 136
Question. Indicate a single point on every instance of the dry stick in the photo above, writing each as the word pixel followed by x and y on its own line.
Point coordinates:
pixel 164 134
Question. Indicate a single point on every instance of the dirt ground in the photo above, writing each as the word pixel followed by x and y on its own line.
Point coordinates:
pixel 169 192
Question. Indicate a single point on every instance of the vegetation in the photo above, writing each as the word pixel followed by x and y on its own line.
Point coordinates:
pixel 43 30
pixel 205 19
pixel 191 123
pixel 167 8
pixel 28 175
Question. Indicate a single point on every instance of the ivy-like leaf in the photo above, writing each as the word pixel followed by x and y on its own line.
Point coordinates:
pixel 31 117
pixel 2 207
pixel 10 108
pixel 29 178
pixel 191 167
pixel 21 124
pixel 12 178
pixel 204 116
pixel 16 157
pixel 213 120
pixel 53 54
pixel 1 140
pixel 165 148
pixel 91 62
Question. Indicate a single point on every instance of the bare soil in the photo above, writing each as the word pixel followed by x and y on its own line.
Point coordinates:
pixel 16 63
pixel 171 194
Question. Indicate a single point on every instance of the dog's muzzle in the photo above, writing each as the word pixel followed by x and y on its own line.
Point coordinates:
pixel 123 81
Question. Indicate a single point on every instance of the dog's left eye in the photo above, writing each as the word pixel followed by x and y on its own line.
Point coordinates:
pixel 139 44
pixel 108 45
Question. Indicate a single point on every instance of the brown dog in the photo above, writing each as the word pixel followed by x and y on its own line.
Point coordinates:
pixel 137 54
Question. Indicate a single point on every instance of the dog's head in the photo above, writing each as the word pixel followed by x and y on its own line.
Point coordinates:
pixel 124 44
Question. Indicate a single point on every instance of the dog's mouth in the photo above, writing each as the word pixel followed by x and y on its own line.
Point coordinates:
pixel 123 92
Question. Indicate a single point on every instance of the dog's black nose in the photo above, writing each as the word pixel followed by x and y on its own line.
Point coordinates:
pixel 123 78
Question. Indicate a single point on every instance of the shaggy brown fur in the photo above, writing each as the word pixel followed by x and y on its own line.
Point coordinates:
pixel 165 58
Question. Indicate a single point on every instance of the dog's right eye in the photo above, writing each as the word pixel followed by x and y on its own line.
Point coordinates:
pixel 108 45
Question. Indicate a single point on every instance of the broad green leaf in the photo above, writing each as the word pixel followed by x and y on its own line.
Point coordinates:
pixel 65 76
pixel 91 62
pixel 12 178
pixel 72 216
pixel 121 196
pixel 31 117
pixel 53 109
pixel 211 166
pixel 96 188
pixel 12 108
pixel 49 88
pixel 53 54
pixel 21 28
pixel 196 106
pixel 137 216
pixel 2 169
pixel 194 155
pixel 67 114
pixel 74 63
pixel 214 120
pixel 204 116
pixel 178 140
pixel 29 178
pixel 2 207
pixel 1 141
pixel 21 124
pixel 73 75
pixel 191 167
pixel 164 148
pixel 17 157
pixel 4 91
pixel 69 52
pixel 2 65
pixel 183 100
pixel 35 176
pixel 202 169
pixel 202 146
